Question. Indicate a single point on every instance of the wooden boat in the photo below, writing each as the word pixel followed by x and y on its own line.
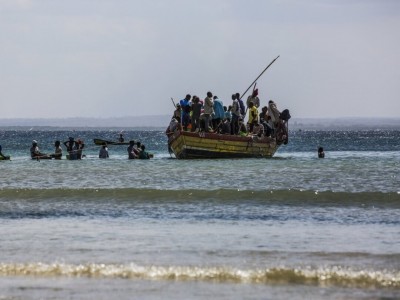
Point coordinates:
pixel 100 142
pixel 188 145
pixel 44 156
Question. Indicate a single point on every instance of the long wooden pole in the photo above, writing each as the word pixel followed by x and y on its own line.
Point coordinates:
pixel 259 76
pixel 173 102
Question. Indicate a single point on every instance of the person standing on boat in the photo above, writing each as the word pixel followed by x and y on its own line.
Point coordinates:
pixel 263 114
pixel 279 121
pixel 253 98
pixel 121 138
pixel 185 104
pixel 173 126
pixel 219 112
pixel 225 127
pixel 264 120
pixel 228 114
pixel 253 116
pixel 242 128
pixel 241 104
pixel 273 112
pixel 208 111
pixel 196 112
pixel 235 115
pixel 258 129
pixel 178 113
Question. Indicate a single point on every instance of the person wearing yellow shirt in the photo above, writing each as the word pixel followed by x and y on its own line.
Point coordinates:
pixel 253 115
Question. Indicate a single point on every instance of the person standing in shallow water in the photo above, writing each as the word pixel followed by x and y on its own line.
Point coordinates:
pixel 321 153
pixel 57 151
pixel 71 148
pixel 132 153
pixel 2 156
pixel 103 153
pixel 143 154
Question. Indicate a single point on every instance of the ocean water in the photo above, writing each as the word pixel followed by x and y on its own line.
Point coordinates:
pixel 290 227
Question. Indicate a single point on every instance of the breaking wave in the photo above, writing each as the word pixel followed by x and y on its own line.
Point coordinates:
pixel 328 276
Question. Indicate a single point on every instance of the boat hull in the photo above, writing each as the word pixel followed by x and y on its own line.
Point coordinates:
pixel 100 142
pixel 191 145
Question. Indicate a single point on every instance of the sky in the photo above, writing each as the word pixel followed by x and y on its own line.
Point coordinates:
pixel 96 58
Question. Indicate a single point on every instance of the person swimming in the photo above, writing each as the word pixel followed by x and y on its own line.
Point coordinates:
pixel 321 153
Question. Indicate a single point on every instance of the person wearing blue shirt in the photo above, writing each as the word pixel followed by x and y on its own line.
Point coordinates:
pixel 228 114
pixel 186 106
pixel 219 112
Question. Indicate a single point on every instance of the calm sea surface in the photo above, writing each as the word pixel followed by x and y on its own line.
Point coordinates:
pixel 290 227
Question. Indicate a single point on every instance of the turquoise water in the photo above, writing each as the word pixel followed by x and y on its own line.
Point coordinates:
pixel 293 226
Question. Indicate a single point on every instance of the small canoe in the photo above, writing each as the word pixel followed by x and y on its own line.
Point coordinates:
pixel 100 142
pixel 45 156
pixel 5 157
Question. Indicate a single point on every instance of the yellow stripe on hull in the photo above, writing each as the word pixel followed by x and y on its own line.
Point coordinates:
pixel 210 145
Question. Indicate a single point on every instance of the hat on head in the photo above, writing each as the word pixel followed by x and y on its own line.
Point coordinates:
pixel 34 142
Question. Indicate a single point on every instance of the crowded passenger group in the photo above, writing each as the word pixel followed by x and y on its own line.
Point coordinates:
pixel 74 148
pixel 212 116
